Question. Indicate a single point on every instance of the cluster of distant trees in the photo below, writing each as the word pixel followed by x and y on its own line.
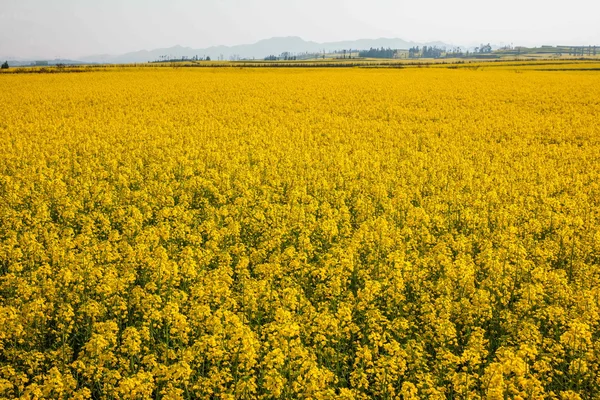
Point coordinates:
pixel 286 56
pixel 5 65
pixel 168 58
pixel 438 52
pixel 484 48
pixel 455 52
pixel 377 53
pixel 425 52
pixel 343 53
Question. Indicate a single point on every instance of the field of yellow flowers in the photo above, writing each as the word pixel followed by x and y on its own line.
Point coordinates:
pixel 300 233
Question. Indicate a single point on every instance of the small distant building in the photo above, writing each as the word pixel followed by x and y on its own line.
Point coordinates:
pixel 41 63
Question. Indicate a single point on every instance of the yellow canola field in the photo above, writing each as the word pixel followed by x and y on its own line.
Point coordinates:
pixel 300 233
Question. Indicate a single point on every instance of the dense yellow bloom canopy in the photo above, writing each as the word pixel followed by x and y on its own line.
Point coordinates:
pixel 300 233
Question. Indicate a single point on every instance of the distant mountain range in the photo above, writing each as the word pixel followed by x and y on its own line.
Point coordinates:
pixel 264 48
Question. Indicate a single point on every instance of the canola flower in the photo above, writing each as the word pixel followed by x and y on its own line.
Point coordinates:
pixel 314 234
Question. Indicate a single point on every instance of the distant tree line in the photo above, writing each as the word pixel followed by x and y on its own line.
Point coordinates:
pixel 483 49
pixel 286 56
pixel 343 53
pixel 426 52
pixel 432 52
pixel 378 53
pixel 454 53
pixel 169 58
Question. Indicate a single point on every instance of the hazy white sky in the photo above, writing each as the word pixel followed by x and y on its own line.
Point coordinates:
pixel 72 28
